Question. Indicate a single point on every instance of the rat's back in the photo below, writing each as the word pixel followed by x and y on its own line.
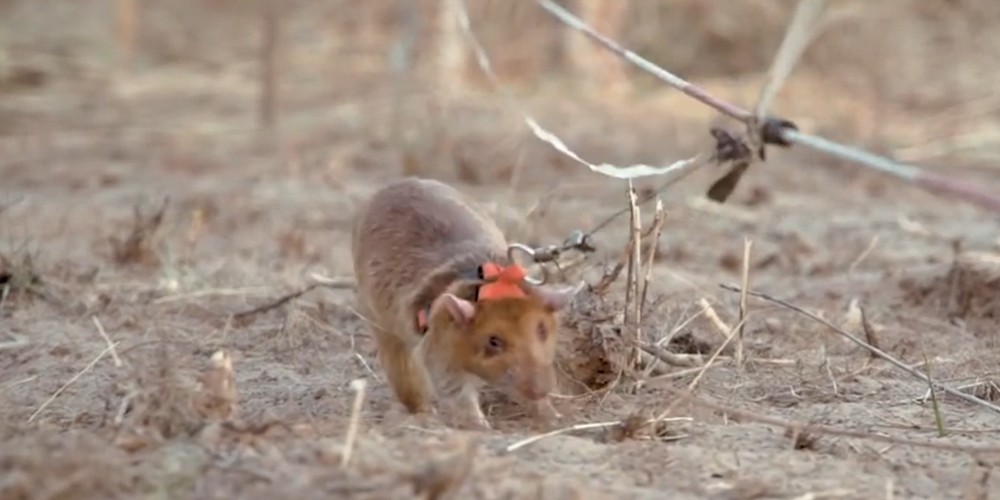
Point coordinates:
pixel 410 227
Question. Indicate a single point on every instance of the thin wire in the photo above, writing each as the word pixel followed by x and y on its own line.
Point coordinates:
pixel 909 173
pixel 671 79
pixel 618 172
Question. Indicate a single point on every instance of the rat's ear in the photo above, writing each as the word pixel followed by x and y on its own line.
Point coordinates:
pixel 461 310
pixel 556 298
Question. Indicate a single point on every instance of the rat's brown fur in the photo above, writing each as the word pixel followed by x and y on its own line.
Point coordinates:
pixel 411 241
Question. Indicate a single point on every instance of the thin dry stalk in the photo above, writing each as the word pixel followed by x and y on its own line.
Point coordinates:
pixel 4 293
pixel 358 386
pixel 218 397
pixel 797 37
pixel 401 60
pixel 107 340
pixel 870 336
pixel 701 372
pixel 671 358
pixel 274 304
pixel 442 478
pixel 71 381
pixel 212 292
pixel 659 219
pixel 270 33
pixel 580 427
pixel 938 417
pixel 687 394
pixel 138 246
pixel 633 305
pixel 878 352
pixel 665 340
pixel 863 255
pixel 713 316
pixel 745 280
pixel 336 283
pixel 127 15
pixel 318 281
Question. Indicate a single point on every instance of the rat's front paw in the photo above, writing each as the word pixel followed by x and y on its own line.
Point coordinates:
pixel 543 410
pixel 468 416
pixel 479 422
pixel 471 422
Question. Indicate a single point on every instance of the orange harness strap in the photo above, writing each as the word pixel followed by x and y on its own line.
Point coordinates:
pixel 504 283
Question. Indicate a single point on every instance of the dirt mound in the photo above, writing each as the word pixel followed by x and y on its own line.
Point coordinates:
pixel 968 291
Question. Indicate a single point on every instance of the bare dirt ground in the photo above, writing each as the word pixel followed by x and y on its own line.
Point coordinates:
pixel 89 155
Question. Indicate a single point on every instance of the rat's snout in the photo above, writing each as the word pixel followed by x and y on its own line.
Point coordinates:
pixel 538 383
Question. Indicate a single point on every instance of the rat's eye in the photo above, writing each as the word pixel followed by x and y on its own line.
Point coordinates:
pixel 541 330
pixel 494 345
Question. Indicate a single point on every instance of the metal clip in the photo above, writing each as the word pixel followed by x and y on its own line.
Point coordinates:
pixel 531 253
pixel 580 241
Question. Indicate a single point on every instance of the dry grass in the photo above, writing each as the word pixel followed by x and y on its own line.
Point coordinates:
pixel 202 353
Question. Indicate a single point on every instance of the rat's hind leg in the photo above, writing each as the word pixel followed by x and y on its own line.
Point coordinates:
pixel 407 377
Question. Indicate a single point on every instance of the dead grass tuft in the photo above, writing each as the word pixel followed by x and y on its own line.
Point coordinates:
pixel 138 246
pixel 640 426
pixel 802 439
pixel 592 351
pixel 19 276
pixel 63 466
pixel 443 477
pixel 170 399
pixel 968 291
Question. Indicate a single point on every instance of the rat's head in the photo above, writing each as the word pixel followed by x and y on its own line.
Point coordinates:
pixel 508 342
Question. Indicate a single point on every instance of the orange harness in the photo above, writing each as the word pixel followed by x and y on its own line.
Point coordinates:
pixel 504 282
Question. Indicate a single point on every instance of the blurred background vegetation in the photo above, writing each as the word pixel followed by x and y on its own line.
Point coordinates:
pixel 912 78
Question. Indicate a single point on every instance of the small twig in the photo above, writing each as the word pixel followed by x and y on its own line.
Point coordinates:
pixel 878 352
pixel 797 37
pixel 713 316
pixel 581 427
pixel 870 336
pixel 938 418
pixel 126 32
pixel 221 292
pixel 334 283
pixel 4 293
pixel 17 343
pixel 71 381
pixel 745 280
pixel 366 366
pixel 683 394
pixel 672 358
pixel 701 372
pixel 633 305
pixel 665 340
pixel 659 218
pixel 123 407
pixel 270 33
pixel 358 386
pixel 107 340
pixel 280 301
pixel 863 255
